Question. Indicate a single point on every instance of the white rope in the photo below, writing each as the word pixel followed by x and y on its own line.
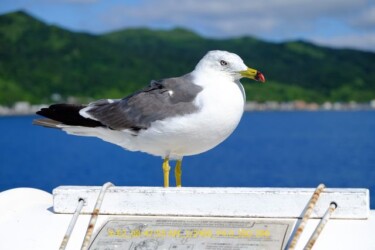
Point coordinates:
pixel 320 226
pixel 94 216
pixel 305 216
pixel 72 223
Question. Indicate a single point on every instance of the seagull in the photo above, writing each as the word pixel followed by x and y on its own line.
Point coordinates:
pixel 170 118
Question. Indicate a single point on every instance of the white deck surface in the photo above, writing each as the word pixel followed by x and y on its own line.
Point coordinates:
pixel 28 220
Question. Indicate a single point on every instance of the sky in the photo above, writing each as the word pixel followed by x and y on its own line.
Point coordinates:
pixel 334 23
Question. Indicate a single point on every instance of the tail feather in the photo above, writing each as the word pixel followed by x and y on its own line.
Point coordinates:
pixel 48 123
pixel 67 114
pixel 67 118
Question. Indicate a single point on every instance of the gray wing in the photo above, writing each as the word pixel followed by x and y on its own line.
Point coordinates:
pixel 160 100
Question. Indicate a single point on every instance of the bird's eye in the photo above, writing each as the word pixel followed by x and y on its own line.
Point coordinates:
pixel 223 63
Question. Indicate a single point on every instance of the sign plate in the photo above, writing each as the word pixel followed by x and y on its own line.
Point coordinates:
pixel 192 233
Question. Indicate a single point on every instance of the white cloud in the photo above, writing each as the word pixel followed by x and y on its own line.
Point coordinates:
pixel 325 21
pixel 366 19
pixel 364 41
pixel 221 18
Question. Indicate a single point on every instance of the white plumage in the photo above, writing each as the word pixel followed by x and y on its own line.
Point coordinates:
pixel 217 109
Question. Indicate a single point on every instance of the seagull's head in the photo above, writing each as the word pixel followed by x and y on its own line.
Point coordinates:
pixel 229 64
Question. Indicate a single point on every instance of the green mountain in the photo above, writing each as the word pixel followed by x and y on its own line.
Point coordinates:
pixel 38 60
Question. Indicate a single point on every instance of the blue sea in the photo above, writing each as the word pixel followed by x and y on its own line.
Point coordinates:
pixel 268 149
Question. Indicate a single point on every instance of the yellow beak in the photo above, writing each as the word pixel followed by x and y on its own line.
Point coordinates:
pixel 253 74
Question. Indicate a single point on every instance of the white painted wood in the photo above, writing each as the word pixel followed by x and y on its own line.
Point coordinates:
pixel 232 202
pixel 28 222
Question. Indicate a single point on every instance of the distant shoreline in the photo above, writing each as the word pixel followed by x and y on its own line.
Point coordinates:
pixel 306 106
pixel 25 108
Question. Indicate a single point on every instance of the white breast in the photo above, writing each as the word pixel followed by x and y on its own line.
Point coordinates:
pixel 221 107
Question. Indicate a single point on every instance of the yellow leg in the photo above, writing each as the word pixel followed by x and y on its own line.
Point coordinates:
pixel 178 173
pixel 166 169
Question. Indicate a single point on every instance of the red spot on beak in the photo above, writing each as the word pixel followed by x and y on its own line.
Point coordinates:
pixel 260 77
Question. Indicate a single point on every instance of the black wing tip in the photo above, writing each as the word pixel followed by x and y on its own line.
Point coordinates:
pixel 51 108
pixel 68 114
pixel 41 111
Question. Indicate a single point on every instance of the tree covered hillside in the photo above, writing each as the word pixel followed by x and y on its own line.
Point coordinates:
pixel 38 60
